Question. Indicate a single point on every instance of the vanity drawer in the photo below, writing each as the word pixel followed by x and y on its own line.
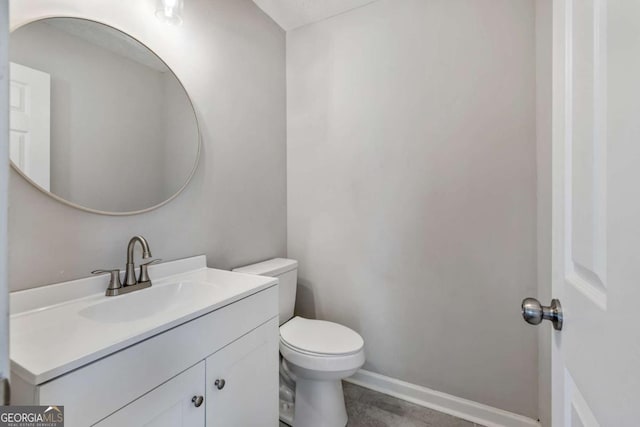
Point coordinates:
pixel 95 391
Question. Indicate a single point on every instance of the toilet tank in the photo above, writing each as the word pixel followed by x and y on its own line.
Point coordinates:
pixel 286 270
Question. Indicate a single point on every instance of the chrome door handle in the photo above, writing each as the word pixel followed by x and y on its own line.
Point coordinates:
pixel 219 384
pixel 534 313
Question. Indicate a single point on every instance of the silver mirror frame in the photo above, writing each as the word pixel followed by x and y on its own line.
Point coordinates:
pixel 199 139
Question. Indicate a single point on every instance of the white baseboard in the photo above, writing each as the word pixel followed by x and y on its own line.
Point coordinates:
pixel 442 402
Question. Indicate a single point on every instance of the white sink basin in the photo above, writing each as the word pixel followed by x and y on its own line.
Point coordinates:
pixel 146 302
pixel 61 327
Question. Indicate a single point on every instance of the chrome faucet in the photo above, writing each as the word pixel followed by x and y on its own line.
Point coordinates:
pixel 130 273
pixel 130 283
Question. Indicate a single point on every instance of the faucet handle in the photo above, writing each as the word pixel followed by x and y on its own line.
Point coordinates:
pixel 144 273
pixel 114 283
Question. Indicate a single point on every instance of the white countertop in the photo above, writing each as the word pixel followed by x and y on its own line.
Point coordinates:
pixel 52 332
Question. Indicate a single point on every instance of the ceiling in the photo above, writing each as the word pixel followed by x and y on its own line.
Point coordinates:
pixel 290 14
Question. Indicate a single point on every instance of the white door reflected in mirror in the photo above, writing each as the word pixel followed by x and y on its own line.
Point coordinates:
pixel 29 132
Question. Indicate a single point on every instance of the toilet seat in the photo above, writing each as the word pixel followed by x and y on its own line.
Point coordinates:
pixel 322 346
pixel 319 337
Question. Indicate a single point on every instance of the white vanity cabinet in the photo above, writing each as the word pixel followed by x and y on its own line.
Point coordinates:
pixel 242 387
pixel 173 404
pixel 241 390
pixel 152 370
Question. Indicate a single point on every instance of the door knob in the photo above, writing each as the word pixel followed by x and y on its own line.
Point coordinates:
pixel 534 313
pixel 219 384
pixel 197 401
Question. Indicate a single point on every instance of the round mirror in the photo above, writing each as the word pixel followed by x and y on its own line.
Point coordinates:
pixel 98 120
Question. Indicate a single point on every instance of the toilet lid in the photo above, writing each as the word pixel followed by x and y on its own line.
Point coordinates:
pixel 320 337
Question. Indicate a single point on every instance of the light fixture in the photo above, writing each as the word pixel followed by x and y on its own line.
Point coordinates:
pixel 170 11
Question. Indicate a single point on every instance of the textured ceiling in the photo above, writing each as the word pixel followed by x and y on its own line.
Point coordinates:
pixel 290 14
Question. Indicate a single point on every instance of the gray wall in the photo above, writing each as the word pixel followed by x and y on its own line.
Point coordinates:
pixel 544 50
pixel 231 59
pixel 411 161
pixel 115 122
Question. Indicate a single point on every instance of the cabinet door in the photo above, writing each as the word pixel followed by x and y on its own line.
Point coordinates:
pixel 246 371
pixel 169 405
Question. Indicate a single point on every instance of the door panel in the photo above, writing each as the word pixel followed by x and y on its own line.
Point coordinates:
pixel 579 205
pixel 579 412
pixel 587 160
pixel 585 202
pixel 596 212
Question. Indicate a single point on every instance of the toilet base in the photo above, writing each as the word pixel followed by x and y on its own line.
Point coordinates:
pixel 319 404
pixel 286 413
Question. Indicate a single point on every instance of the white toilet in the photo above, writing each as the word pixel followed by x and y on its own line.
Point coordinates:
pixel 316 356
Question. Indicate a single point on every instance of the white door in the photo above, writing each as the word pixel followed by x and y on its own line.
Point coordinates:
pixel 242 380
pixel 177 403
pixel 4 186
pixel 29 136
pixel 596 212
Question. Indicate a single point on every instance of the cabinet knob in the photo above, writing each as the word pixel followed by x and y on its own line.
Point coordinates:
pixel 219 384
pixel 197 401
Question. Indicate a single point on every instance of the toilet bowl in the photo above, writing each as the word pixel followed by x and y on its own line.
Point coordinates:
pixel 319 355
pixel 316 356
